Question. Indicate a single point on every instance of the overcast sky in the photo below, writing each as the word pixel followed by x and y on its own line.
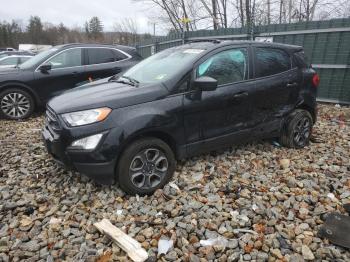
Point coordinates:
pixel 75 12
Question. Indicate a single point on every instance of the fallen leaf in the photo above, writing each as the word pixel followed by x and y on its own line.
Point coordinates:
pixel 107 256
pixel 248 248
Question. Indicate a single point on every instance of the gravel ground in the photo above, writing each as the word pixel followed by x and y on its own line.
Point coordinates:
pixel 279 194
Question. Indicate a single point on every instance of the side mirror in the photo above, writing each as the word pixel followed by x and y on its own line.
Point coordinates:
pixel 205 83
pixel 45 67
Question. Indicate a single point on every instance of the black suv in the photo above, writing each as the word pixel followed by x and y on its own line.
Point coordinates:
pixel 180 102
pixel 51 72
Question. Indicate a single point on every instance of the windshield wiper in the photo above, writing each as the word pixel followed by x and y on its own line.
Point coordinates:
pixel 129 80
pixel 132 80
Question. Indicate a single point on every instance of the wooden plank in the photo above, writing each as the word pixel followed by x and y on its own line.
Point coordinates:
pixel 127 243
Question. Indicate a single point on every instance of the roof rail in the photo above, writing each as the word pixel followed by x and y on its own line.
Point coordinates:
pixel 215 41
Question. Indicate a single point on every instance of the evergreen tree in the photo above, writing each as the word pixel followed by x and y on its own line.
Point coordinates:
pixel 35 30
pixel 94 28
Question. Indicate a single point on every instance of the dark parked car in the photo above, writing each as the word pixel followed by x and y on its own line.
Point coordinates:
pixel 56 70
pixel 178 103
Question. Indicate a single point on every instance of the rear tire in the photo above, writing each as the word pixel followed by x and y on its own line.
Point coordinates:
pixel 146 165
pixel 297 129
pixel 16 104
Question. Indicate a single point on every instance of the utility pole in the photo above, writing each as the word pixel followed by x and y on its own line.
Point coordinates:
pixel 184 22
pixel 215 15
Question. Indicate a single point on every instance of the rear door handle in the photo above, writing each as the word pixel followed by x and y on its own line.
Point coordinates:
pixel 292 84
pixel 74 73
pixel 240 95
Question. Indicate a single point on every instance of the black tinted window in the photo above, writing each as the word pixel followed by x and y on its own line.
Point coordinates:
pixel 271 61
pixel 119 55
pixel 301 59
pixel 100 56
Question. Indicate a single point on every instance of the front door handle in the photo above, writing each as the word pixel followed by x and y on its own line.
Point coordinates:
pixel 292 85
pixel 74 73
pixel 240 95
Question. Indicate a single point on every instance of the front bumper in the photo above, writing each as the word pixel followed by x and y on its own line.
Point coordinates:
pixel 93 164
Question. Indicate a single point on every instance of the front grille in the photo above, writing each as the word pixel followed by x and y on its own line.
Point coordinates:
pixel 52 120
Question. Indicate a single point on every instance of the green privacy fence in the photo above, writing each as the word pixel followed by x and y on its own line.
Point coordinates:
pixel 326 43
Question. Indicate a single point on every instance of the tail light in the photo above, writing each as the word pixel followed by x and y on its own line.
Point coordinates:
pixel 315 80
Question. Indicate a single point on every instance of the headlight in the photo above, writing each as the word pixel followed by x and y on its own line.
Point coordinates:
pixel 87 116
pixel 88 143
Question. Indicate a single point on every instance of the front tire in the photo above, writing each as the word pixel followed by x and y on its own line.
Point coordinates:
pixel 297 129
pixel 16 104
pixel 146 165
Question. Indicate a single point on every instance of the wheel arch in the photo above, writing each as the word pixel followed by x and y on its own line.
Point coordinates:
pixel 311 110
pixel 165 137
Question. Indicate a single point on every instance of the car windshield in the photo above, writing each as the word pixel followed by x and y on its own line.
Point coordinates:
pixel 37 58
pixel 162 66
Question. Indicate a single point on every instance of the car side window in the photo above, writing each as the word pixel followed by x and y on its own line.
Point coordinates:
pixel 271 61
pixel 68 58
pixel 119 56
pixel 100 56
pixel 226 67
pixel 9 61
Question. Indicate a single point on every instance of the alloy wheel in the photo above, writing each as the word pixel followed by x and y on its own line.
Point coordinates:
pixel 148 168
pixel 302 131
pixel 15 105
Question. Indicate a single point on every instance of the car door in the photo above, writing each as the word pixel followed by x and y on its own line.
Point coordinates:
pixel 276 87
pixel 103 62
pixel 220 117
pixel 65 73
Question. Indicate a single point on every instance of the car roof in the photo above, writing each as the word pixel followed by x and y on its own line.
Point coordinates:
pixel 214 43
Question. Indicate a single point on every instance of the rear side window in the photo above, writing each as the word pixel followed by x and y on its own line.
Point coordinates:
pixel 270 61
pixel 301 60
pixel 119 56
pixel 9 61
pixel 103 55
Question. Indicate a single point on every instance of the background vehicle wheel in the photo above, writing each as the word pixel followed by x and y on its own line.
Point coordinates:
pixel 297 129
pixel 146 165
pixel 16 104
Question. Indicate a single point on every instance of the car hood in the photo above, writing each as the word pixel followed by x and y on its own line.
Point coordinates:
pixel 110 94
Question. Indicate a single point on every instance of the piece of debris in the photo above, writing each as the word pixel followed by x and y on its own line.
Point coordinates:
pixel 336 229
pixel 173 185
pixel 218 241
pixel 242 230
pixel 127 243
pixel 164 246
pixel 332 197
pixel 119 212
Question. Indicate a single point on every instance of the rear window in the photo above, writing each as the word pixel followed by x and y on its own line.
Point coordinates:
pixel 301 60
pixel 104 55
pixel 271 61
pixel 100 56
